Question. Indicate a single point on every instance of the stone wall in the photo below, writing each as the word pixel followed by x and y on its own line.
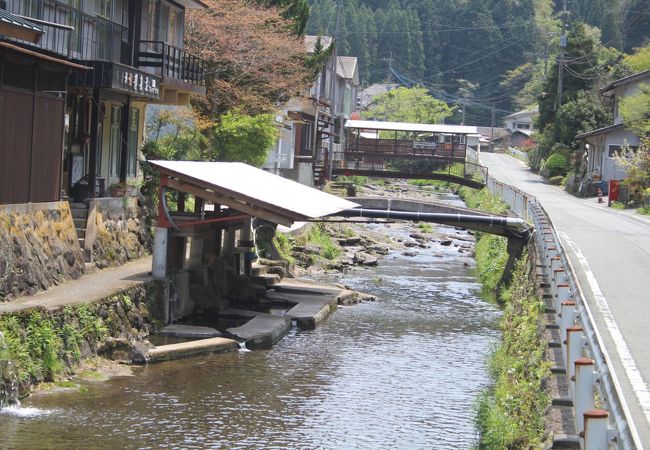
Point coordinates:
pixel 45 345
pixel 117 231
pixel 38 248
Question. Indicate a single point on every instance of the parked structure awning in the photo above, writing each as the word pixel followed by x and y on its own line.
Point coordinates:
pixel 250 190
pixel 412 127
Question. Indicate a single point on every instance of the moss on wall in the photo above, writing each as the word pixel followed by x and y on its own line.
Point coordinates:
pixel 122 233
pixel 38 248
pixel 46 345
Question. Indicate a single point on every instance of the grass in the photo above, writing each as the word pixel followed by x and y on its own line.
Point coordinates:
pixel 42 345
pixel 318 235
pixel 617 205
pixel 425 227
pixel 491 251
pixel 510 415
pixel 644 210
pixel 284 247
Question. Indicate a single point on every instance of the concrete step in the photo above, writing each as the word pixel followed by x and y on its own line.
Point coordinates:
pixel 261 331
pixel 79 210
pixel 80 223
pixel 81 233
pixel 562 401
pixel 82 241
pixel 192 348
pixel 266 280
pixel 565 441
pixel 258 269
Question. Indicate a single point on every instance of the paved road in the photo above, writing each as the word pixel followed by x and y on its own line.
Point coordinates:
pixel 610 251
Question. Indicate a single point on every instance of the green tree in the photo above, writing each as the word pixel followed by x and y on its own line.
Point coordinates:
pixel 639 60
pixel 635 110
pixel 240 137
pixel 414 105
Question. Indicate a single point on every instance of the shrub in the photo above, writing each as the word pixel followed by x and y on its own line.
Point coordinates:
pixel 557 180
pixel 556 164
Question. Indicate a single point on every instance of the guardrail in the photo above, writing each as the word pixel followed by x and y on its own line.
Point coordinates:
pixel 601 415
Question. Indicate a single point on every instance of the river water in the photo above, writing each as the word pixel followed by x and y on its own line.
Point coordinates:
pixel 401 372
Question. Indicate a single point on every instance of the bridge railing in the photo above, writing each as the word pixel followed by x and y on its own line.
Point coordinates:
pixel 378 165
pixel 587 365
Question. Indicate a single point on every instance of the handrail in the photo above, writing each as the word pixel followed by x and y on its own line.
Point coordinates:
pixel 171 61
pixel 624 434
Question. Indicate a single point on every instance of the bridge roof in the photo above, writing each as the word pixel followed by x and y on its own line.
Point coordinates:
pixel 417 127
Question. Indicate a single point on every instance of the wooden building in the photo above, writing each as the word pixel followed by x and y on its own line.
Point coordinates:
pixel 134 51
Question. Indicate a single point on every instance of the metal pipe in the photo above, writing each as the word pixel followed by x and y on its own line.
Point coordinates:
pixel 514 223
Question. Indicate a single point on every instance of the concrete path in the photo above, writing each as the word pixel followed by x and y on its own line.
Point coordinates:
pixel 87 289
pixel 610 252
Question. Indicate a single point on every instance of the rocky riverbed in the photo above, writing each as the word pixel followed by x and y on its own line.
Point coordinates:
pixel 362 245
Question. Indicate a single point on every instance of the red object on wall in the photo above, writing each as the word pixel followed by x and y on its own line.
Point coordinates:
pixel 614 190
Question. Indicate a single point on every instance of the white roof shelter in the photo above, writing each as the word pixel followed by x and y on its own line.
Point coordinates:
pixel 251 190
pixel 411 127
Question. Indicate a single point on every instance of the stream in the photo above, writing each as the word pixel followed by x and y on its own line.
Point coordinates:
pixel 401 372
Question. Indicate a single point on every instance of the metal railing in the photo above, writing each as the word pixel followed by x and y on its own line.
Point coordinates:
pixel 587 364
pixel 433 167
pixel 90 38
pixel 170 61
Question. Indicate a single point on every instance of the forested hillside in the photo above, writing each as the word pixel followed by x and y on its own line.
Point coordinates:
pixel 478 51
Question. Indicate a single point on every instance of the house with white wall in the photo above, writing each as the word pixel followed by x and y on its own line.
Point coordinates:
pixel 601 145
pixel 305 121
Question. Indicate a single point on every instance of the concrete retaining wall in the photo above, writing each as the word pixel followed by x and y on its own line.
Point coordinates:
pixel 38 248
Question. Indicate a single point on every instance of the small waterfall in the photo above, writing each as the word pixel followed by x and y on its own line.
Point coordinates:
pixel 8 378
pixel 242 347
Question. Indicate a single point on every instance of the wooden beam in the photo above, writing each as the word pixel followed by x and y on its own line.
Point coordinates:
pixel 230 202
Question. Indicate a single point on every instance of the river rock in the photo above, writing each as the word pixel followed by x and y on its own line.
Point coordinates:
pixel 409 253
pixel 313 249
pixel 347 242
pixel 370 261
pixel 125 350
pixel 446 243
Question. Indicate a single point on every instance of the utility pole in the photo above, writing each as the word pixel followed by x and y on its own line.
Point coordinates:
pixel 492 132
pixel 333 83
pixel 563 42
pixel 462 122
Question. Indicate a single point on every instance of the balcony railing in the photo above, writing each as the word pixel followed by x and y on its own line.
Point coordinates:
pixel 170 61
pixel 90 37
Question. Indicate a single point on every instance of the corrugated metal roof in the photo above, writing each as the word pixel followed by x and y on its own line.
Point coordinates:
pixel 12 19
pixel 417 127
pixel 254 191
pixel 18 28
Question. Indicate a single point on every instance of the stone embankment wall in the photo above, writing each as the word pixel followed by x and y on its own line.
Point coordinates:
pixel 38 248
pixel 118 231
pixel 45 345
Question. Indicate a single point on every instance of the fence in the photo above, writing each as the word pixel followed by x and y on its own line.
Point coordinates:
pixel 587 364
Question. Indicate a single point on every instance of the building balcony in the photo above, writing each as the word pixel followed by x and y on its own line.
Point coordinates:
pixel 171 63
pixel 73 34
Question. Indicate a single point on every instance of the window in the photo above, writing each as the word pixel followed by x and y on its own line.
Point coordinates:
pixel 614 149
pixel 523 126
pixel 106 8
pixel 132 156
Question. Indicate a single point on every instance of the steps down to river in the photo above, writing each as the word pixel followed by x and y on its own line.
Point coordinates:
pixel 80 217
